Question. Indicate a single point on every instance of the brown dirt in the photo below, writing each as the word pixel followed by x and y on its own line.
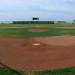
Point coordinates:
pixel 58 40
pixel 21 54
pixel 37 30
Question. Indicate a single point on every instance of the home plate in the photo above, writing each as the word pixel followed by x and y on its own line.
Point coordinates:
pixel 36 44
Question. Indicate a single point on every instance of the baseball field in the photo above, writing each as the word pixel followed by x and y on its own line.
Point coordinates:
pixel 37 49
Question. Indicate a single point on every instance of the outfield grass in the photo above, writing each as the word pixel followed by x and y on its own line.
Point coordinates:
pixel 23 32
pixel 37 25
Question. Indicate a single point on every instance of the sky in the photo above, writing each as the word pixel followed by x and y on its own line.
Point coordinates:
pixel 44 9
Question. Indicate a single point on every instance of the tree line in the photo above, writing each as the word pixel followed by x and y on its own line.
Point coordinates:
pixel 33 22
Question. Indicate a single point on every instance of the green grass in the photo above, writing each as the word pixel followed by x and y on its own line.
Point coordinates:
pixel 23 32
pixel 37 25
pixel 65 71
pixel 6 71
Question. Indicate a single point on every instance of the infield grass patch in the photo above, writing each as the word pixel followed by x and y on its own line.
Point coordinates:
pixel 24 32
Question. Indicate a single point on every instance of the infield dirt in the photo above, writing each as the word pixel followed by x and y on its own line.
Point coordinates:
pixel 52 53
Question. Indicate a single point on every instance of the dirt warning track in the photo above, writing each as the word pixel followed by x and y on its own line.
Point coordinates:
pixel 51 53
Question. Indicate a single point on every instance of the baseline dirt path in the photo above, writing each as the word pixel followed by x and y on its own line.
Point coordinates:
pixel 21 54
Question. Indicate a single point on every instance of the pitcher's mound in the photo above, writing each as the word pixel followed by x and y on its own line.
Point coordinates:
pixel 37 30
